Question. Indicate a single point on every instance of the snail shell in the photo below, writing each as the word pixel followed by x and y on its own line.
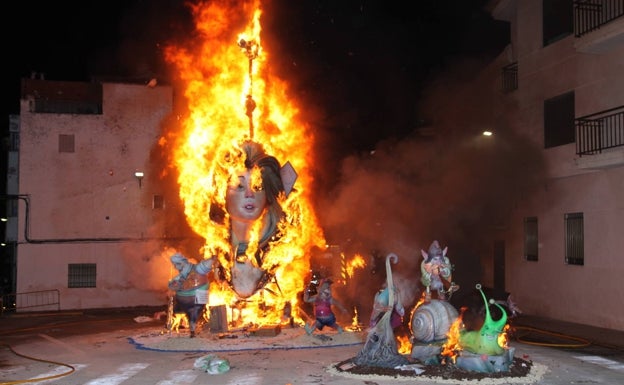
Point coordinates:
pixel 432 321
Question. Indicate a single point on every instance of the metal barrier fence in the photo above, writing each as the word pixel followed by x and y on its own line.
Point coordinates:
pixel 42 300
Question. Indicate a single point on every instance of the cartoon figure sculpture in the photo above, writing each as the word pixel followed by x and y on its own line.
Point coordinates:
pixel 436 272
pixel 381 348
pixel 485 340
pixel 253 203
pixel 381 306
pixel 191 288
pixel 323 313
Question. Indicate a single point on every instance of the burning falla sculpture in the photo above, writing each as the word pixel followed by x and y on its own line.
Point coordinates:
pixel 474 350
pixel 434 322
pixel 253 199
pixel 481 350
pixel 380 349
pixel 250 195
pixel 485 340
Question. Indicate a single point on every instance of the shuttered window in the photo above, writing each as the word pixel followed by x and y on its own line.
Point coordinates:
pixel 530 239
pixel 81 275
pixel 574 242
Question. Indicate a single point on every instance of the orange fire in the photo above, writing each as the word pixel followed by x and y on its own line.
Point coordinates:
pixel 451 347
pixel 503 338
pixel 404 344
pixel 351 265
pixel 355 321
pixel 232 96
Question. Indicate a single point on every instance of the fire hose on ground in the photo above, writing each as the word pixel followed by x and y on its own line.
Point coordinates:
pixel 582 342
pixel 39 379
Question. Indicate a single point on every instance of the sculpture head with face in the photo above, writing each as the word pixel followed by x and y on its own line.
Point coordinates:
pixel 253 205
pixel 252 198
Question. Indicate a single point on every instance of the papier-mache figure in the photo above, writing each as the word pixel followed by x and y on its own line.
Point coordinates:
pixel 436 273
pixel 323 302
pixel 253 203
pixel 191 287
pixel 381 305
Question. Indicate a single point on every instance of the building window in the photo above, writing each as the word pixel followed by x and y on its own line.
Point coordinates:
pixel 530 238
pixel 12 208
pixel 81 275
pixel 559 126
pixel 557 20
pixel 66 143
pixel 510 77
pixel 14 141
pixel 574 244
pixel 158 202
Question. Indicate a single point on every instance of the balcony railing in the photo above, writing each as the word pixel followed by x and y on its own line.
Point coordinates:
pixel 590 15
pixel 600 131
pixel 510 77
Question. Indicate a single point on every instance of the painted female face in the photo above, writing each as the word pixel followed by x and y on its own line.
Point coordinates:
pixel 246 199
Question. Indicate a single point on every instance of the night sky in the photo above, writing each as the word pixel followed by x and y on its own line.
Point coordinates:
pixel 363 62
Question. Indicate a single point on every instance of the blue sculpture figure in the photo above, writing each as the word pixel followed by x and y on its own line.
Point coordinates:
pixel 381 306
pixel 191 288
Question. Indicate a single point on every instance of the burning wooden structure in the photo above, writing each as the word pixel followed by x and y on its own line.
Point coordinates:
pixel 235 105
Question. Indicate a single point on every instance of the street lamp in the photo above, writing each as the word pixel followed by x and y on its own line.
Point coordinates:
pixel 139 175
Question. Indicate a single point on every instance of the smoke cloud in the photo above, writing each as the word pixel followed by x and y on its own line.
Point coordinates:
pixel 445 181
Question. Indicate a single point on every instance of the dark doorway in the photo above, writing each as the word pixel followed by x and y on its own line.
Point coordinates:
pixel 499 265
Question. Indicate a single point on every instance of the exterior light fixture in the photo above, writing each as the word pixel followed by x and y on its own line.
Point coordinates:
pixel 139 175
pixel 487 133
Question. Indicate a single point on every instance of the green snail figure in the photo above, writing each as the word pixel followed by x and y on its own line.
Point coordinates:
pixel 485 340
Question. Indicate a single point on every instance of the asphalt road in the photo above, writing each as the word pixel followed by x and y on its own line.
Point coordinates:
pixel 93 348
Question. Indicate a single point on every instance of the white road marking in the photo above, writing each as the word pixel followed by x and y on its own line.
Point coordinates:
pixel 604 362
pixel 249 379
pixel 179 377
pixel 176 377
pixel 123 373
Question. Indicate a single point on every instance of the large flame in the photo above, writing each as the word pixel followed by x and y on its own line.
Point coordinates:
pixel 233 97
pixel 452 347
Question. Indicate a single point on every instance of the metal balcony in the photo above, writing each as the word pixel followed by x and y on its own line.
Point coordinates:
pixel 598 25
pixel 590 15
pixel 600 131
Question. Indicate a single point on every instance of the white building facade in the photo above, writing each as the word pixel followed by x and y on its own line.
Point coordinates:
pixel 564 244
pixel 89 226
